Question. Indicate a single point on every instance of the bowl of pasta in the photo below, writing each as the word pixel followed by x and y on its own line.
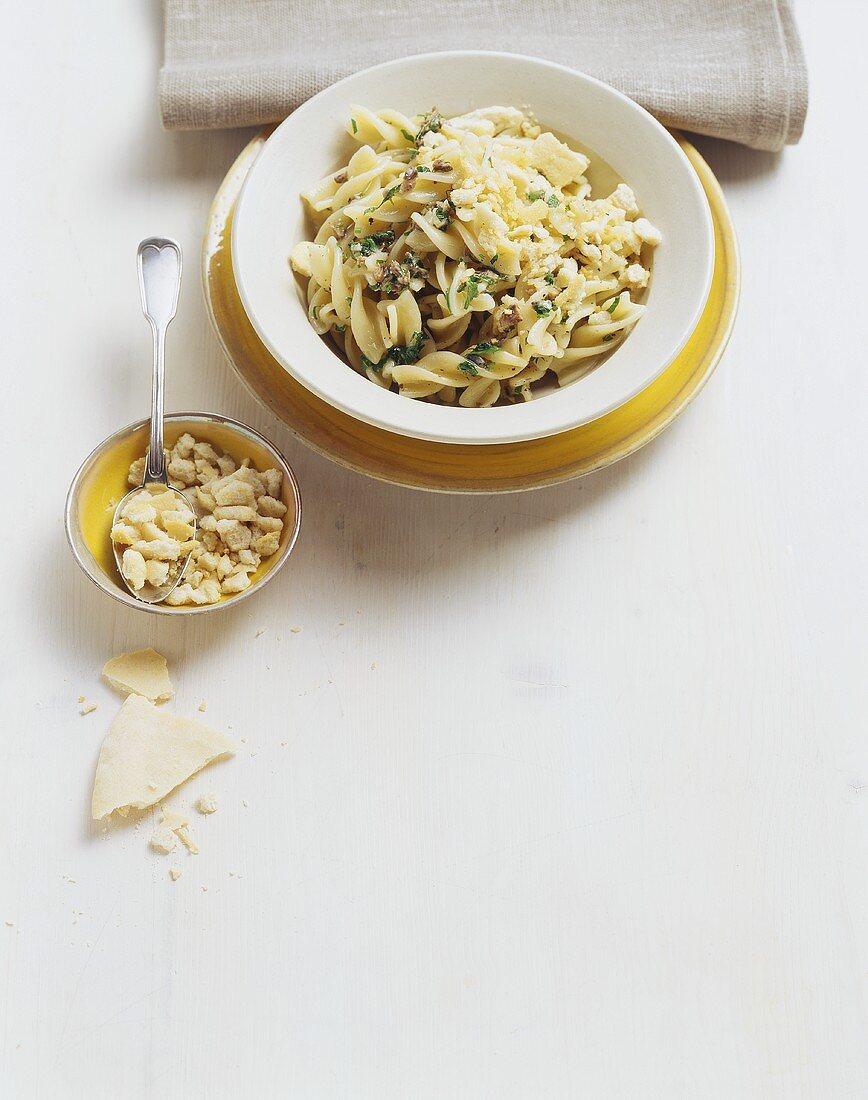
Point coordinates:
pixel 473 248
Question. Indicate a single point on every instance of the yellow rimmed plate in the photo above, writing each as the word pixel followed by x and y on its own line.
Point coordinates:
pixel 450 467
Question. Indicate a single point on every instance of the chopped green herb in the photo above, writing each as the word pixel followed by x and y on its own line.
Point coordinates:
pixel 399 355
pixel 468 368
pixel 408 135
pixel 609 336
pixel 375 242
pixel 553 201
pixel 486 345
pixel 535 196
pixel 340 328
pixel 474 284
pixel 614 305
pixel 543 308
pixel 550 278
pixel 355 125
pixel 423 168
pixel 518 388
pixel 315 312
pixel 443 212
pixel 402 354
pixel 393 276
pixel 493 259
pixel 431 124
pixel 390 194
pixel 471 288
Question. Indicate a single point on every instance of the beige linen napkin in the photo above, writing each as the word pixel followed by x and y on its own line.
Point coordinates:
pixel 730 68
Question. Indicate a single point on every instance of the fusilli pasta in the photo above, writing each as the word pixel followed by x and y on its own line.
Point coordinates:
pixel 462 259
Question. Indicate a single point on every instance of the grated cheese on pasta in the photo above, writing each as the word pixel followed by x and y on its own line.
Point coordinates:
pixel 463 259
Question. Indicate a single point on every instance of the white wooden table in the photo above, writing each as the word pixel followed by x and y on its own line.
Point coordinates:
pixel 553 796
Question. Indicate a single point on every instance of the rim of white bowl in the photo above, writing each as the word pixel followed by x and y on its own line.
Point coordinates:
pixel 550 414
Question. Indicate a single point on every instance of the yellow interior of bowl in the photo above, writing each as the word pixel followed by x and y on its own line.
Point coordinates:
pixel 104 483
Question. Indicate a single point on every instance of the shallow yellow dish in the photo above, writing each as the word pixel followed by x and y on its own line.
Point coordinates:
pixel 449 467
pixel 101 481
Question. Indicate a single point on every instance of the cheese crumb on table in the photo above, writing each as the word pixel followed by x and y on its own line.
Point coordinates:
pixel 172 827
pixel 141 673
pixel 295 629
pixel 203 707
pixel 240 521
pixel 207 804
pixel 149 751
pixel 163 840
pixel 88 708
pixel 178 824
pixel 175 872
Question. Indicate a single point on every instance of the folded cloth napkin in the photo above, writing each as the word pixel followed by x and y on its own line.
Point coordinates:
pixel 730 68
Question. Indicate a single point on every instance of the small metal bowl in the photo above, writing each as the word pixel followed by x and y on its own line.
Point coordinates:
pixel 101 481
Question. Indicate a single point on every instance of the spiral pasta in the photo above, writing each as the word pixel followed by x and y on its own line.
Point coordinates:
pixel 463 259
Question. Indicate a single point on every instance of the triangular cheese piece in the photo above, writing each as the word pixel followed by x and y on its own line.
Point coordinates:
pixel 147 752
pixel 141 673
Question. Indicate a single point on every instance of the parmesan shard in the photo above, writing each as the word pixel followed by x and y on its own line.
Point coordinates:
pixel 163 840
pixel 173 820
pixel 141 673
pixel 558 162
pixel 175 825
pixel 148 752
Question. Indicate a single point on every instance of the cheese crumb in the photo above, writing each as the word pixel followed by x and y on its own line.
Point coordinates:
pixel 207 804
pixel 141 673
pixel 88 708
pixel 240 519
pixel 203 707
pixel 177 824
pixel 188 842
pixel 175 872
pixel 163 840
pixel 295 630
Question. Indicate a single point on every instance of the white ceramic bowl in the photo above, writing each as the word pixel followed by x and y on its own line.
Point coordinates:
pixel 269 220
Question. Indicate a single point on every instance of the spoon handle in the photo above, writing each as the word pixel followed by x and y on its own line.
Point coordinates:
pixel 159 265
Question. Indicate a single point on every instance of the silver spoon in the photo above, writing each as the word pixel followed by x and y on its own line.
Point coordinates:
pixel 159 264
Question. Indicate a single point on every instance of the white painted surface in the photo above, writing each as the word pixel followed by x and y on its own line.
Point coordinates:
pixel 560 795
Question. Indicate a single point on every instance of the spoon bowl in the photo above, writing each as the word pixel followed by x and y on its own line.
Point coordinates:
pixel 151 593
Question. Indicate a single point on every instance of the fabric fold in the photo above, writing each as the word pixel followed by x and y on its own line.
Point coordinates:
pixel 732 69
